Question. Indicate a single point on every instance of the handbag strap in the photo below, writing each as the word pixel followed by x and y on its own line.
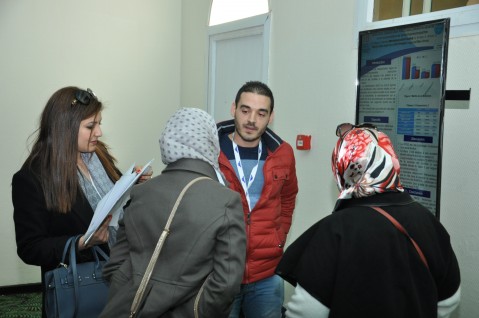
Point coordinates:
pixel 146 277
pixel 65 251
pixel 73 265
pixel 71 243
pixel 403 230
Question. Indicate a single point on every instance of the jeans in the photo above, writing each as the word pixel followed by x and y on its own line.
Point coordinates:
pixel 261 299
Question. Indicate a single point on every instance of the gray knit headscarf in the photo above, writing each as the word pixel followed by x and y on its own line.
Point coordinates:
pixel 190 133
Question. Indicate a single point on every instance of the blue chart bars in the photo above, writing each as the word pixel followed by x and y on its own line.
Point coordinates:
pixel 414 72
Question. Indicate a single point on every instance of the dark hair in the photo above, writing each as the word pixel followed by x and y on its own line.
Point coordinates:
pixel 55 150
pixel 257 88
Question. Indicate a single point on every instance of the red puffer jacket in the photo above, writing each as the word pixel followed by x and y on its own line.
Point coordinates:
pixel 268 223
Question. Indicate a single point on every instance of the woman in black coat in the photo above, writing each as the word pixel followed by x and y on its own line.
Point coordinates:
pixel 355 262
pixel 65 175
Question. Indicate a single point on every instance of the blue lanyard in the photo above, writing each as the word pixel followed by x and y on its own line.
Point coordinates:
pixel 239 166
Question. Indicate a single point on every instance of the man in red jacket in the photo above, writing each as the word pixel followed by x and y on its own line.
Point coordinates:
pixel 259 165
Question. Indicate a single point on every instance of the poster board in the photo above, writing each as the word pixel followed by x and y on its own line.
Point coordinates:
pixel 401 90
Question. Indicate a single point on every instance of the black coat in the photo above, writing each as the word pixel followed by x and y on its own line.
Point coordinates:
pixel 356 263
pixel 40 233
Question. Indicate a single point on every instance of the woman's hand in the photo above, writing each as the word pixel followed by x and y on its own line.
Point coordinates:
pixel 99 237
pixel 146 174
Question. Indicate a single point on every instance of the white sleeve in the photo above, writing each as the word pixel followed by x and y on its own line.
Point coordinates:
pixel 303 305
pixel 446 307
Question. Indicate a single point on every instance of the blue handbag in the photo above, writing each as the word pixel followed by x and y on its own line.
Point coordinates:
pixel 76 290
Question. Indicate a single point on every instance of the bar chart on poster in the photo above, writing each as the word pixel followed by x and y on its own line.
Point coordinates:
pixel 401 89
pixel 414 69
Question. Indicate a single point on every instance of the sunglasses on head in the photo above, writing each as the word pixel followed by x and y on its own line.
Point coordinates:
pixel 84 97
pixel 344 128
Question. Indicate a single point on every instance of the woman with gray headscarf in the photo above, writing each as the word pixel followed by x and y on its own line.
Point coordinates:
pixel 201 263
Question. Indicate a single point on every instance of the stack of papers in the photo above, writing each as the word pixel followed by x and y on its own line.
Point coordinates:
pixel 115 199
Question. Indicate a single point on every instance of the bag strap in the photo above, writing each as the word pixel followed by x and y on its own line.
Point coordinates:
pixel 65 251
pixel 73 266
pixel 146 277
pixel 72 244
pixel 403 230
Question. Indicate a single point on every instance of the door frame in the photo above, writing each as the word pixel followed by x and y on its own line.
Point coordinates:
pixel 257 25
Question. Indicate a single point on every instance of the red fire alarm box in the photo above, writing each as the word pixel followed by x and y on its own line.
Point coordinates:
pixel 303 142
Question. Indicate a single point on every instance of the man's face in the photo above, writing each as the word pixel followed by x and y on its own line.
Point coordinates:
pixel 252 115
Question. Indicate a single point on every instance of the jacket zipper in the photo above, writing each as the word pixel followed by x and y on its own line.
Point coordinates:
pixel 248 218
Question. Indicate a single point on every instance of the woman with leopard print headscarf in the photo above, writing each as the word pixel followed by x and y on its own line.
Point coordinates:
pixel 355 262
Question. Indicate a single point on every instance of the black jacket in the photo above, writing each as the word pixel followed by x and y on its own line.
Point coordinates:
pixel 40 233
pixel 358 264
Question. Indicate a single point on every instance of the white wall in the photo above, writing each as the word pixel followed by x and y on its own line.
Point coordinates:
pixel 312 73
pixel 459 212
pixel 128 52
pixel 194 53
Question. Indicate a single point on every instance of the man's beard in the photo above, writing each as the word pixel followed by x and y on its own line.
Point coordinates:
pixel 247 138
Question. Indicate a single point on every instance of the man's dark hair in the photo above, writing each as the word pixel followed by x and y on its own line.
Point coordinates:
pixel 257 88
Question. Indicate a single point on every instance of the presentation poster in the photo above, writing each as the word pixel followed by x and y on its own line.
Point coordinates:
pixel 401 89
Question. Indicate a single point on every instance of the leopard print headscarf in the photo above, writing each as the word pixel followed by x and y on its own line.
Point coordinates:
pixel 364 163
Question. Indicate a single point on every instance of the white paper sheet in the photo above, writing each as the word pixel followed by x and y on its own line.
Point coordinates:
pixel 114 199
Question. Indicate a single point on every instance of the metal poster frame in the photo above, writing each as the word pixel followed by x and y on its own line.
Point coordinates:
pixel 401 89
